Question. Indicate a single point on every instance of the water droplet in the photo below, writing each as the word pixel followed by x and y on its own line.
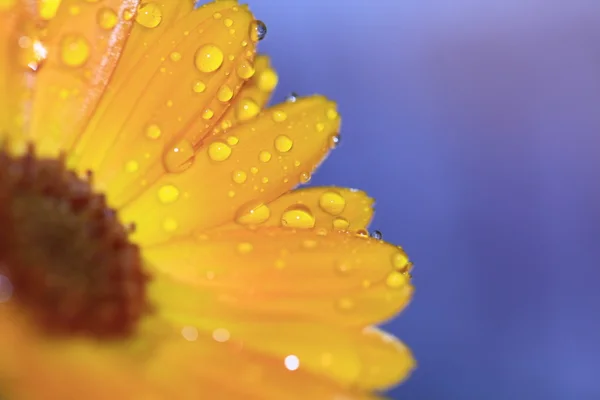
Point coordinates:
pixel 254 170
pixel 305 177
pixel 283 143
pixel 332 114
pixel 221 335
pixel 75 50
pixel 340 223
pixel 239 177
pixel 179 158
pixel 219 151
pixel 400 261
pixel 396 280
pixel 209 58
pixel 232 140
pixel 128 14
pixel 247 109
pixel 153 131
pixel 168 194
pixel 199 87
pixel 258 30
pixel 245 70
pixel 208 114
pixel 334 141
pixel 228 22
pixel 320 127
pixel 264 156
pixel 107 18
pixel 332 202
pixel 149 15
pixel 132 166
pixel 264 179
pixel 292 97
pixel 298 216
pixel 217 15
pixel 225 93
pixel 279 116
pixel 170 225
pixel 377 235
pixel 267 80
pixel 253 214
pixel 345 304
pixel 362 233
pixel 175 56
pixel 244 247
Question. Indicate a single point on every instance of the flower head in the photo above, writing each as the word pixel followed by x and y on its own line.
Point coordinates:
pixel 153 244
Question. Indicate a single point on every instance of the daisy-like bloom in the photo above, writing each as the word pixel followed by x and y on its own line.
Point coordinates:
pixel 151 245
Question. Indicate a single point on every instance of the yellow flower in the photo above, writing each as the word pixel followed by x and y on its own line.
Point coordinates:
pixel 223 282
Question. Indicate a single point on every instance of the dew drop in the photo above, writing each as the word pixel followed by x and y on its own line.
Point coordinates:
pixel 199 87
pixel 208 114
pixel 298 216
pixel 340 223
pixel 247 109
pixel 75 50
pixel 258 30
pixel 305 177
pixel 175 56
pixel 332 203
pixel 209 58
pixel 320 127
pixel 332 114
pixel 225 93
pixel 149 15
pixel 232 140
pixel 400 261
pixel 264 156
pixel 153 131
pixel 292 97
pixel 179 158
pixel 219 151
pixel 239 177
pixel 334 141
pixel 107 18
pixel 253 214
pixel 245 70
pixel 377 235
pixel 279 116
pixel 168 194
pixel 362 233
pixel 283 143
pixel 396 279
pixel 228 22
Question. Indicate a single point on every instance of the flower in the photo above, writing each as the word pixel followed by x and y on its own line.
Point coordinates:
pixel 222 281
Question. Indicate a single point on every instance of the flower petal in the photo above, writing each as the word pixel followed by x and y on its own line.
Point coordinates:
pixel 188 74
pixel 350 357
pixel 208 193
pixel 320 207
pixel 340 277
pixel 84 42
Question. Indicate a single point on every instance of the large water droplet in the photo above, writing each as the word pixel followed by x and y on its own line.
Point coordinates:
pixel 247 109
pixel 239 177
pixel 258 30
pixel 225 93
pixel 396 279
pixel 245 70
pixel 74 50
pixel 400 261
pixel 340 223
pixel 298 216
pixel 253 214
pixel 149 15
pixel 209 58
pixel 283 143
pixel 332 202
pixel 219 151
pixel 179 157
pixel 264 156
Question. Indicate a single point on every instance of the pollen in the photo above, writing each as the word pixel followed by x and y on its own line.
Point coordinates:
pixel 68 258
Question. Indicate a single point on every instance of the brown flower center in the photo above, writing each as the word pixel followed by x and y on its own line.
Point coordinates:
pixel 64 251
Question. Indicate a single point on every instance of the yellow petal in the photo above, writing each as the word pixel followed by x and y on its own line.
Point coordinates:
pixel 209 193
pixel 82 54
pixel 320 207
pixel 255 93
pixel 276 273
pixel 348 356
pixel 157 94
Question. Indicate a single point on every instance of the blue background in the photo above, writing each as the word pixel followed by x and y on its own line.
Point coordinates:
pixel 476 126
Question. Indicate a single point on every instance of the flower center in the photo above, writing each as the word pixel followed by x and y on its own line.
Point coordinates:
pixel 64 251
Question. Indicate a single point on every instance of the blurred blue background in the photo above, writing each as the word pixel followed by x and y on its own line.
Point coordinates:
pixel 476 126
